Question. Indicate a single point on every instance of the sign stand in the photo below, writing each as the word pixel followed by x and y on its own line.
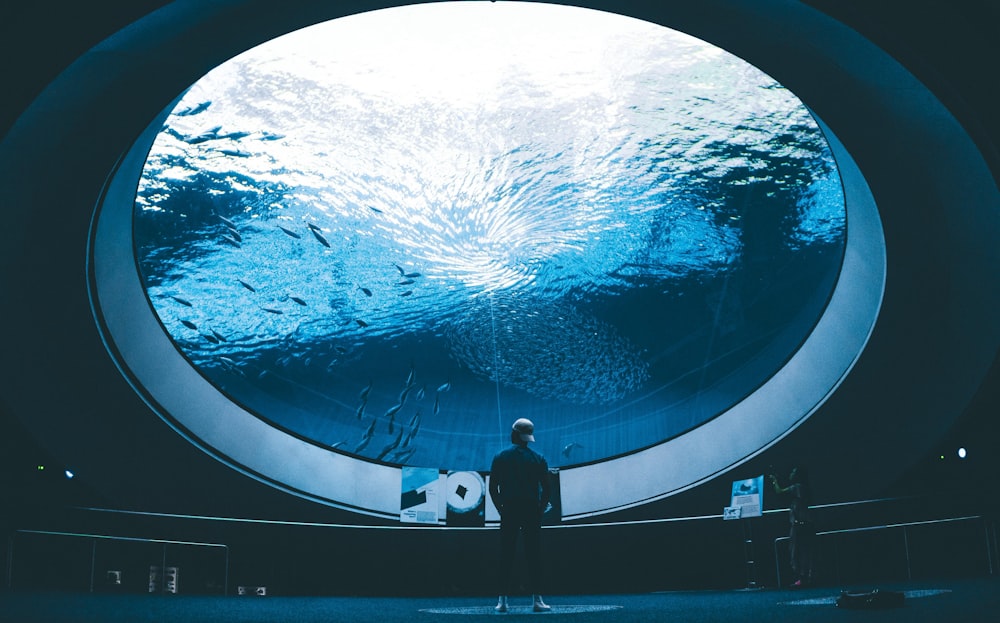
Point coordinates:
pixel 747 502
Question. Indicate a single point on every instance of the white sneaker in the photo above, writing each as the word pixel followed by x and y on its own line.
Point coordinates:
pixel 501 604
pixel 539 605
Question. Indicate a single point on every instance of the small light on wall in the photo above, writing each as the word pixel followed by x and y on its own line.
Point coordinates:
pixel 69 474
pixel 962 453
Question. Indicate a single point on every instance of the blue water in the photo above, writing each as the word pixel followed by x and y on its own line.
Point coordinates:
pixel 619 247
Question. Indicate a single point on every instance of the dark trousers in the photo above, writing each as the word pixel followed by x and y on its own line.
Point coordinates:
pixel 526 521
pixel 801 540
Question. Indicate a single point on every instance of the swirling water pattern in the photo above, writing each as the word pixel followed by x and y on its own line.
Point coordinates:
pixel 394 232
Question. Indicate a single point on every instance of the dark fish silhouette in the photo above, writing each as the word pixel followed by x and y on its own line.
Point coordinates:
pixel 366 291
pixel 298 300
pixel 219 336
pixel 361 410
pixel 247 285
pixel 361 446
pixel 189 325
pixel 374 209
pixel 184 302
pixel 194 110
pixel 361 323
pixel 569 448
pixel 405 282
pixel 407 293
pixel 318 236
pixel 405 274
pixel 370 431
pixel 228 222
pixel 271 310
pixel 391 446
pixel 366 391
pixel 232 241
pixel 289 232
pixel 210 338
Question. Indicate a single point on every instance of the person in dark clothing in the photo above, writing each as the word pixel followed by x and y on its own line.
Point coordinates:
pixel 802 531
pixel 520 489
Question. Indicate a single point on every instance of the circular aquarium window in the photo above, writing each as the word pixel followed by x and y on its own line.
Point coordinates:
pixel 387 236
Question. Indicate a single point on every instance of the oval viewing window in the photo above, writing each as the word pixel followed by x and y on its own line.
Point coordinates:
pixel 389 235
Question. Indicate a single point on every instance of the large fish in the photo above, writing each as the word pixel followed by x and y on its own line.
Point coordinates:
pixel 289 232
pixel 318 236
pixel 247 285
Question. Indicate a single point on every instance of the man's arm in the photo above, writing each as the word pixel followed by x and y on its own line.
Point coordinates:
pixel 495 493
pixel 545 482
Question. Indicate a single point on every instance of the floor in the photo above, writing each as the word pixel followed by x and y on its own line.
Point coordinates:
pixel 966 600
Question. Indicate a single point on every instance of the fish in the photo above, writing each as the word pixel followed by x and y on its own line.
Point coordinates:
pixel 194 110
pixel 233 241
pixel 366 291
pixel 247 285
pixel 405 282
pixel 405 274
pixel 235 153
pixel 391 411
pixel 370 431
pixel 184 302
pixel 374 209
pixel 361 323
pixel 361 410
pixel 210 338
pixel 271 310
pixel 410 377
pixel 235 234
pixel 219 336
pixel 392 445
pixel 228 222
pixel 407 293
pixel 403 395
pixel 189 325
pixel 437 405
pixel 404 455
pixel 298 300
pixel 366 391
pixel 336 445
pixel 361 446
pixel 445 387
pixel 237 135
pixel 421 392
pixel 289 232
pixel 318 236
pixel 569 448
pixel 270 136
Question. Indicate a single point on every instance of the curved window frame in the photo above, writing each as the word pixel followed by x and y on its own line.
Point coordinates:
pixel 205 416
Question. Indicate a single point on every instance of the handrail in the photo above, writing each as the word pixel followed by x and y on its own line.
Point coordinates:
pixel 93 551
pixel 493 525
pixel 906 544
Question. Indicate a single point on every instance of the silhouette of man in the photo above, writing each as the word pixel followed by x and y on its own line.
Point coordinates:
pixel 520 489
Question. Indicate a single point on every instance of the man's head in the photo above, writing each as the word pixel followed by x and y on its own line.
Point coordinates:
pixel 523 431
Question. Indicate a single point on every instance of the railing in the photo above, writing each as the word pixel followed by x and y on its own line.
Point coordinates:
pixel 95 538
pixel 989 532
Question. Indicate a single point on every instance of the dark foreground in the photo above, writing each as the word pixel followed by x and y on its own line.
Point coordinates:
pixel 967 600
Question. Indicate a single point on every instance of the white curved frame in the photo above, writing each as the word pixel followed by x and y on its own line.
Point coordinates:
pixel 184 398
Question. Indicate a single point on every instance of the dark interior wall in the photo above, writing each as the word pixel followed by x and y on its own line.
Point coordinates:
pixel 948 45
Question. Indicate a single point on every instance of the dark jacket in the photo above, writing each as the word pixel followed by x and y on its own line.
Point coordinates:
pixel 519 478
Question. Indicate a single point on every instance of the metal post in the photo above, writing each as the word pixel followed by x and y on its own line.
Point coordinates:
pixel 93 562
pixel 906 548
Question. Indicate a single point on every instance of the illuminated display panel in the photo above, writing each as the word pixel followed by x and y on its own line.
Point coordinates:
pixel 393 233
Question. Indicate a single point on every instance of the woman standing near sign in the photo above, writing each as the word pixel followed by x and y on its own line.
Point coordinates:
pixel 802 532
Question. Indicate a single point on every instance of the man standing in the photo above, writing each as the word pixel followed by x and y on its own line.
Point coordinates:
pixel 519 488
